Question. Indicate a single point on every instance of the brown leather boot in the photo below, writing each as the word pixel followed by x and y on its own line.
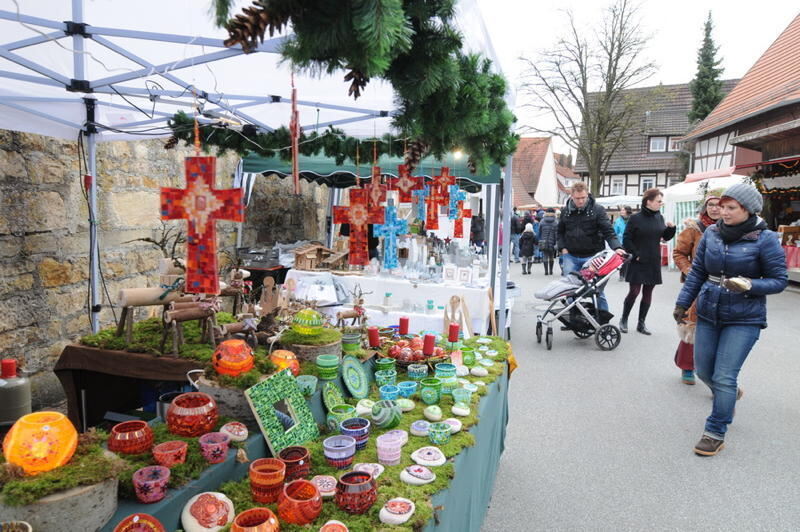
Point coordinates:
pixel 708 446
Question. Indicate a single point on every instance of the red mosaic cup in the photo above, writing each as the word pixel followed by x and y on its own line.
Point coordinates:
pixel 266 479
pixel 170 453
pixel 356 492
pixel 192 414
pixel 256 520
pixel 130 437
pixel 298 462
pixel 299 503
pixel 214 446
pixel 150 483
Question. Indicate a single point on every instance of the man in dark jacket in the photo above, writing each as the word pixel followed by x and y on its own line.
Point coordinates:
pixel 583 230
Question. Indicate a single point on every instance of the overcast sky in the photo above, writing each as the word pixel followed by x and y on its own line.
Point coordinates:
pixel 743 31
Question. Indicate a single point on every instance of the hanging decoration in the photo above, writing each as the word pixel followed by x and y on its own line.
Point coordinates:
pixel 458 224
pixel 444 181
pixel 201 205
pixel 390 230
pixel 376 193
pixel 420 199
pixel 435 200
pixel 358 215
pixel 456 195
pixel 404 183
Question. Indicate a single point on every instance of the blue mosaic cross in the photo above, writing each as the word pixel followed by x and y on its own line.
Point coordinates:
pixel 390 230
pixel 420 197
pixel 456 195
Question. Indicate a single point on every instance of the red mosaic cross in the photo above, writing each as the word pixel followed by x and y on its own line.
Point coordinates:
pixel 359 215
pixel 201 205
pixel 376 193
pixel 458 224
pixel 405 183
pixel 444 180
pixel 436 199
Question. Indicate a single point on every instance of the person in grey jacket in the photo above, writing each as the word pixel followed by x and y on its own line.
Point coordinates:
pixel 738 262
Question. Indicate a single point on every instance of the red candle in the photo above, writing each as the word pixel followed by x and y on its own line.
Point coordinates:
pixel 452 335
pixel 428 344
pixel 403 325
pixel 374 339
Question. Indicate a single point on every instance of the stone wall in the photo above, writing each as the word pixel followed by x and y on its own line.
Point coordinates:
pixel 44 265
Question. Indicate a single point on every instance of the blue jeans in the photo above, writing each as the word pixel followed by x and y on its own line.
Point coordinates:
pixel 515 246
pixel 571 263
pixel 719 353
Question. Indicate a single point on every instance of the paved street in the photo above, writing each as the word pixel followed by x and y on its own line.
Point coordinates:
pixel 603 440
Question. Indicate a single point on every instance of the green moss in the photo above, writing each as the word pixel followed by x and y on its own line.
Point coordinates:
pixel 389 483
pixel 89 465
pixel 327 336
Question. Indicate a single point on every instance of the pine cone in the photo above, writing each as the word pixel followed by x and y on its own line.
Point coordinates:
pixel 357 81
pixel 414 153
pixel 171 142
pixel 248 29
pixel 471 166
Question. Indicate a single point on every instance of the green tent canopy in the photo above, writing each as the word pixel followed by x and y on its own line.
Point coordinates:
pixel 324 170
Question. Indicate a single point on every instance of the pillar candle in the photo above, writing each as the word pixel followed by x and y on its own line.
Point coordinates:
pixel 403 325
pixel 374 339
pixel 452 335
pixel 428 344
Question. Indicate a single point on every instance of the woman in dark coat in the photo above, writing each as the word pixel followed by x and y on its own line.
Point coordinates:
pixel 643 235
pixel 527 245
pixel 738 263
pixel 548 235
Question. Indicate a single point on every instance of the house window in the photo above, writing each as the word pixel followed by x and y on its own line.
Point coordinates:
pixel 646 182
pixel 617 186
pixel 658 144
pixel 674 144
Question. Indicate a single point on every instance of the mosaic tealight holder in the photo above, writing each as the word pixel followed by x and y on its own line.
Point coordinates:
pixel 462 395
pixel 389 392
pixel 214 446
pixel 385 376
pixel 297 460
pixel 430 390
pixel 266 479
pixel 255 520
pixel 339 451
pixel 356 492
pixel 385 363
pixel 307 384
pixel 407 388
pixel 357 428
pixel 327 366
pixel 130 437
pixel 439 433
pixel 150 483
pixel 170 453
pixel 417 372
pixel 300 502
pixel 389 449
pixel 468 356
pixel 337 414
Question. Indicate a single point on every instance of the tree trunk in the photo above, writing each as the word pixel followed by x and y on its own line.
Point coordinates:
pixel 595 177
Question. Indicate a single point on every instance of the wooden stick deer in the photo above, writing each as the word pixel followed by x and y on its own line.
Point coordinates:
pixel 358 314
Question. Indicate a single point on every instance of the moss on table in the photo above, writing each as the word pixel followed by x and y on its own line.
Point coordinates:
pixel 389 483
pixel 89 465
pixel 327 336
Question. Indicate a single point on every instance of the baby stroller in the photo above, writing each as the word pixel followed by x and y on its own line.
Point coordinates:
pixel 574 303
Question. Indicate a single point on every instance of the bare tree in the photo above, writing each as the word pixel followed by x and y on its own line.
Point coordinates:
pixel 580 86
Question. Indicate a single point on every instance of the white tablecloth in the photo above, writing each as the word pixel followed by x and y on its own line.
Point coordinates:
pixel 316 285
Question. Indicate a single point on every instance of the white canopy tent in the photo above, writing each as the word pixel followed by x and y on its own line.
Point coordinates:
pixel 619 201
pixel 117 71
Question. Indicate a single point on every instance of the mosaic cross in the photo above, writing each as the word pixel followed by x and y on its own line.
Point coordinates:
pixel 456 195
pixel 358 215
pixel 458 224
pixel 376 192
pixel 390 230
pixel 201 205
pixel 436 199
pixel 420 198
pixel 405 183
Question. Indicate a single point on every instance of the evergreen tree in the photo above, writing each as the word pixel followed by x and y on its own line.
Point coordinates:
pixel 706 86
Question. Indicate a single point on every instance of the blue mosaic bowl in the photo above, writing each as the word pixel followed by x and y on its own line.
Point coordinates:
pixel 439 433
pixel 417 372
pixel 389 392
pixel 407 388
pixel 385 376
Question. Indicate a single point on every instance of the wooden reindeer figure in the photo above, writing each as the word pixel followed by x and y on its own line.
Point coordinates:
pixel 358 314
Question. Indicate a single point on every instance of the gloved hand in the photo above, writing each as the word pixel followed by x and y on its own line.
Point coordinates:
pixel 737 284
pixel 680 315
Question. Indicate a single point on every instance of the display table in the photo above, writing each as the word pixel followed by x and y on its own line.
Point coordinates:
pixel 108 379
pixel 317 285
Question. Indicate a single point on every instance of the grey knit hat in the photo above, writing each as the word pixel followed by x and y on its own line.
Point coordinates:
pixel 748 197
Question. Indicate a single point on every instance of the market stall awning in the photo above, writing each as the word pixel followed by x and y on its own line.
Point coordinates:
pixel 619 201
pixel 728 171
pixel 324 170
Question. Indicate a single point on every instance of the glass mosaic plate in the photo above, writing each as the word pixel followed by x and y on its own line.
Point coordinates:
pixel 354 377
pixel 332 395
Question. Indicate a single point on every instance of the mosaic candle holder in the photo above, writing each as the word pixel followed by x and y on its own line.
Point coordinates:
pixel 417 372
pixel 389 392
pixel 430 390
pixel 255 520
pixel 297 460
pixel 446 372
pixel 385 363
pixel 462 396
pixel 299 503
pixel 214 446
pixel 408 388
pixel 266 479
pixel 385 376
pixel 337 414
pixel 439 433
pixel 130 437
pixel 307 384
pixel 232 358
pixel 55 441
pixel 150 483
pixel 192 414
pixel 339 451
pixel 386 414
pixel 285 359
pixel 170 453
pixel 327 366
pixel 468 356
pixel 389 449
pixel 357 428
pixel 356 492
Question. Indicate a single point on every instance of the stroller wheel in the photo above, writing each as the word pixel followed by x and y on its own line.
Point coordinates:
pixel 607 337
pixel 548 338
pixel 538 332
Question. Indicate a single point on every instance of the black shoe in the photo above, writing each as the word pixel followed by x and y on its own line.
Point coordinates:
pixel 642 329
pixel 708 446
pixel 623 325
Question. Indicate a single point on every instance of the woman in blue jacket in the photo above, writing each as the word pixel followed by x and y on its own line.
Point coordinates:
pixel 737 263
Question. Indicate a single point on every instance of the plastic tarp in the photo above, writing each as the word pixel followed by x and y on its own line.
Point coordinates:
pixel 619 201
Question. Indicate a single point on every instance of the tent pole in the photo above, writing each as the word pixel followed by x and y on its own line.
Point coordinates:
pixel 94 251
pixel 506 245
pixel 490 227
pixel 329 216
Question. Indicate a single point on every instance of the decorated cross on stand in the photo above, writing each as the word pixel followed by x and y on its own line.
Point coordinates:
pixel 201 205
pixel 376 193
pixel 435 199
pixel 444 180
pixel 390 230
pixel 456 195
pixel 420 198
pixel 458 224
pixel 358 215
pixel 405 183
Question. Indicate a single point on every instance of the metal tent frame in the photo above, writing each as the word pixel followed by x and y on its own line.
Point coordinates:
pixel 216 104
